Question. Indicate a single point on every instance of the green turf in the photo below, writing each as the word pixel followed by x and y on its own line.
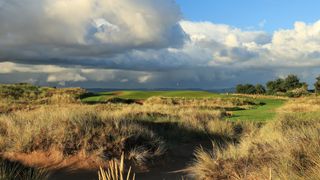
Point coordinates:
pixel 184 94
pixel 259 113
pixel 141 95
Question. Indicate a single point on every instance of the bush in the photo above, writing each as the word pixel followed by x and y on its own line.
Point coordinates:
pixel 299 92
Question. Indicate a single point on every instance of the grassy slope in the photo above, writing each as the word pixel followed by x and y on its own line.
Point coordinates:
pixel 259 113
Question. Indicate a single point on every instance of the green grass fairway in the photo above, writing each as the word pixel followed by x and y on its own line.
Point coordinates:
pixel 141 95
pixel 259 113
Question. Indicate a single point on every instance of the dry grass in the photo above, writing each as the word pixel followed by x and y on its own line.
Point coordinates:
pixel 104 131
pixel 58 128
pixel 73 129
pixel 286 148
pixel 302 105
pixel 204 103
pixel 116 171
pixel 16 171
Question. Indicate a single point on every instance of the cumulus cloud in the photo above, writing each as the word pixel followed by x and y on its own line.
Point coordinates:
pixel 64 31
pixel 299 45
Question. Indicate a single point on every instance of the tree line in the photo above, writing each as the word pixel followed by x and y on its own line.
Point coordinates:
pixel 290 86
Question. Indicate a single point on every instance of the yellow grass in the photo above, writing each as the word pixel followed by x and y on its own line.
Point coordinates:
pixel 286 148
pixel 115 171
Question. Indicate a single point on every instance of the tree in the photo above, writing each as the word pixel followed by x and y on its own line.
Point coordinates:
pixel 317 85
pixel 276 86
pixel 292 82
pixel 250 89
pixel 260 89
pixel 246 89
pixel 240 89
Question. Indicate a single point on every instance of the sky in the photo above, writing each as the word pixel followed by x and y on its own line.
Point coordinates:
pixel 268 15
pixel 181 44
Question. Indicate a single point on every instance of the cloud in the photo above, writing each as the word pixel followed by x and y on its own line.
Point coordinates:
pixel 9 67
pixel 77 31
pixel 144 78
pixel 143 43
pixel 299 45
pixel 69 76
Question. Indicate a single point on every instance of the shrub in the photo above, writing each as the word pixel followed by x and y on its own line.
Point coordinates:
pixel 297 92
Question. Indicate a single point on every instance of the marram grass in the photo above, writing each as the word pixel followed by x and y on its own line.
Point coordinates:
pixel 116 171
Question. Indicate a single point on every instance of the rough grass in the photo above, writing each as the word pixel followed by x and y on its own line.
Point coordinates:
pixel 116 171
pixel 286 148
pixel 262 108
pixel 59 128
pixel 101 132
pixel 74 129
pixel 16 171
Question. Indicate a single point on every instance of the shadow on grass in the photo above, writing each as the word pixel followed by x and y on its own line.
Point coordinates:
pixel 13 170
pixel 174 133
pixel 181 144
pixel 234 109
pixel 114 101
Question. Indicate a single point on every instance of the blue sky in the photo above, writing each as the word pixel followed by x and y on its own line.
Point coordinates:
pixel 245 14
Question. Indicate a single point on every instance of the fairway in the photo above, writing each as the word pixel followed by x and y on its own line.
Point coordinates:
pixel 141 95
pixel 259 113
pixel 264 112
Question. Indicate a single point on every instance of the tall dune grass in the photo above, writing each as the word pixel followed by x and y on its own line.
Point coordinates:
pixel 59 122
pixel 72 129
pixel 16 171
pixel 285 148
pixel 116 171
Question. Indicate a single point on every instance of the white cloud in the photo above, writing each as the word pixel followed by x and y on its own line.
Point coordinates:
pixel 300 44
pixel 65 77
